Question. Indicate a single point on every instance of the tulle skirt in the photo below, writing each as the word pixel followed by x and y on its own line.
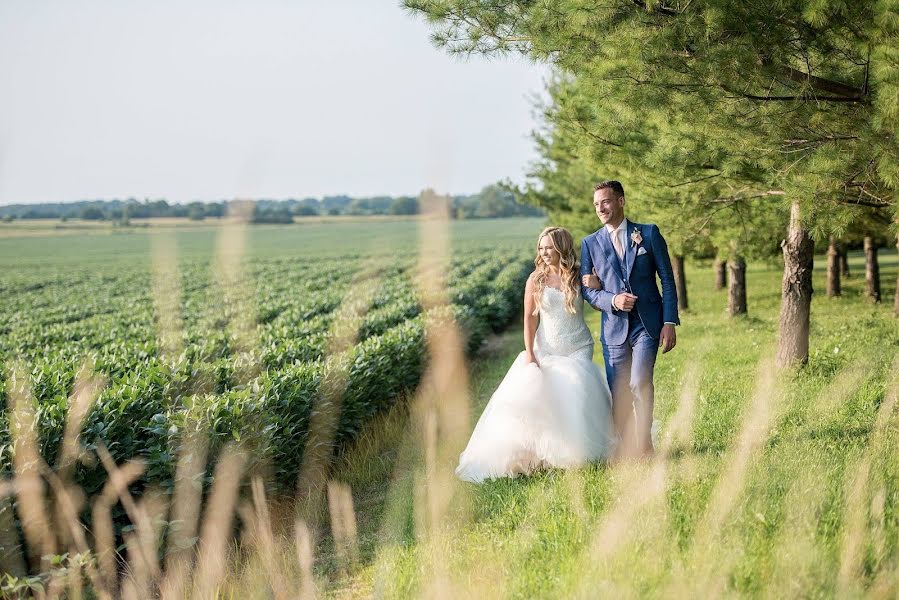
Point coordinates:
pixel 554 415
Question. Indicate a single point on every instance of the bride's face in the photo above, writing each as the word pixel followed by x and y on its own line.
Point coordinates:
pixel 547 251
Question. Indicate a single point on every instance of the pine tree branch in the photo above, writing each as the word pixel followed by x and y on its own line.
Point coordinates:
pixel 859 99
pixel 824 85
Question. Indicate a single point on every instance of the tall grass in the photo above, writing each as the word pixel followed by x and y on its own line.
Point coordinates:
pixel 765 484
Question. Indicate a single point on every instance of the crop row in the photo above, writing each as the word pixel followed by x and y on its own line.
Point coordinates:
pixel 54 322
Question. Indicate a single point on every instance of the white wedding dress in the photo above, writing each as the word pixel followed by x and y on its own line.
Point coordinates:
pixel 554 415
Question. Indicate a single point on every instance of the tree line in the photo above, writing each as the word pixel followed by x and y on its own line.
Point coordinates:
pixel 749 131
pixel 493 201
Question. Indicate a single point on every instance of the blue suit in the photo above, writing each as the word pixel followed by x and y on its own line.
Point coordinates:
pixel 630 340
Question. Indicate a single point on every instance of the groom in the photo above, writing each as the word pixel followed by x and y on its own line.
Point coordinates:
pixel 636 319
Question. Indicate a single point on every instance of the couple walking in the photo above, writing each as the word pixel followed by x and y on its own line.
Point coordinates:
pixel 554 407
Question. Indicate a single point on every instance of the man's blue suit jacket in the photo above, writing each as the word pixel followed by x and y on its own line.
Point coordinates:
pixel 637 276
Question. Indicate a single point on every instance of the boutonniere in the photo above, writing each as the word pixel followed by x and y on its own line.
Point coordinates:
pixel 636 238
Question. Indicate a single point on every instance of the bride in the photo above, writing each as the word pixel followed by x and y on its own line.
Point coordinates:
pixel 552 409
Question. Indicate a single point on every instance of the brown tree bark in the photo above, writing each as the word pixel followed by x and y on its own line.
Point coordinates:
pixel 796 293
pixel 872 270
pixel 844 261
pixel 833 269
pixel 736 291
pixel 680 281
pixel 720 274
pixel 896 297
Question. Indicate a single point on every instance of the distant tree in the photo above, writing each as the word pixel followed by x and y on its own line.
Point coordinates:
pixel 340 204
pixel 8 219
pixel 92 213
pixel 308 207
pixel 404 205
pixel 380 205
pixel 305 211
pixel 271 215
pixel 216 209
pixel 495 202
pixel 196 211
pixel 359 206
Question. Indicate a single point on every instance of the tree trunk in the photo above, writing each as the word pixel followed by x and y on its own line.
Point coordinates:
pixel 736 291
pixel 680 281
pixel 833 269
pixel 896 297
pixel 844 262
pixel 796 293
pixel 720 274
pixel 872 270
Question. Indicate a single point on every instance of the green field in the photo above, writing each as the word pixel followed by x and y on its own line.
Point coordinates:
pixel 766 485
pixel 237 332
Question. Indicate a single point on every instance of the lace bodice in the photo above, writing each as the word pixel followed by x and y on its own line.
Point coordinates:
pixel 560 332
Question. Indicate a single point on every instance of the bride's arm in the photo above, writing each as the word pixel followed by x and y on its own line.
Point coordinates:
pixel 530 320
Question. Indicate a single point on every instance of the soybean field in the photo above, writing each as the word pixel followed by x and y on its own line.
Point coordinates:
pixel 184 335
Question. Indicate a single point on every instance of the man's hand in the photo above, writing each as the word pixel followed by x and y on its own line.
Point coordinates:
pixel 624 301
pixel 591 281
pixel 668 338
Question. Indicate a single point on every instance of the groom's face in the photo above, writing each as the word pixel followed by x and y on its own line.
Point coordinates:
pixel 609 207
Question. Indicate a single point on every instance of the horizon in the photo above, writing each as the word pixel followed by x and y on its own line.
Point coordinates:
pixel 260 199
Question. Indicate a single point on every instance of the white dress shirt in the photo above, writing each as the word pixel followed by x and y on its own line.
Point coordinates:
pixel 621 232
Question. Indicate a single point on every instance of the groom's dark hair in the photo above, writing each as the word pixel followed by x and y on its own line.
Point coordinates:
pixel 611 184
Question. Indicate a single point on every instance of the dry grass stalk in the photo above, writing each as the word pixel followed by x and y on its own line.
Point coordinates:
pixel 798 556
pixel 187 500
pixel 136 580
pixel 84 394
pixel 856 491
pixel 237 291
pixel 264 541
pixel 87 388
pixel 441 407
pixel 34 515
pixel 146 539
pixel 305 558
pixel 756 424
pixel 69 508
pixel 643 485
pixel 702 573
pixel 343 524
pixel 846 382
pixel 167 295
pixel 215 533
pixel 104 534
pixel 319 447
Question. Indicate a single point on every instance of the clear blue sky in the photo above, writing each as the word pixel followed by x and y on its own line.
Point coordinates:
pixel 252 98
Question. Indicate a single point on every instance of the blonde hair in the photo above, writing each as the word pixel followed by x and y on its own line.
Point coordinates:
pixel 563 243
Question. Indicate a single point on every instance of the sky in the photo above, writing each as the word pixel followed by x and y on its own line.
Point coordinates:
pixel 208 100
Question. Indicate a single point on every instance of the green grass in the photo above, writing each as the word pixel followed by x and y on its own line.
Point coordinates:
pixel 807 506
pixel 305 240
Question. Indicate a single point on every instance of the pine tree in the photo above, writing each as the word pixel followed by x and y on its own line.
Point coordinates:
pixel 797 101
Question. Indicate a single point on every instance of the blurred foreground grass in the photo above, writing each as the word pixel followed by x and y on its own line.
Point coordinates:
pixel 777 486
